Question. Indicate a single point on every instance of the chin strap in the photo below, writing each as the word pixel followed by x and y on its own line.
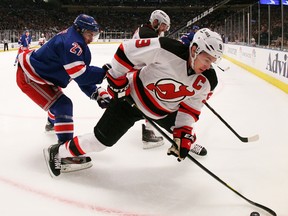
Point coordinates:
pixel 192 60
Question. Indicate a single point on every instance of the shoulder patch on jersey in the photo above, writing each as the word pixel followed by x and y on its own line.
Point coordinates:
pixel 175 47
pixel 212 77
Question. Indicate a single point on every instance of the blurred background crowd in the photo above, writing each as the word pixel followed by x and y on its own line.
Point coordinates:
pixel 238 21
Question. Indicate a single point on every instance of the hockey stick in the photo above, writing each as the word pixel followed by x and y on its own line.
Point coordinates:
pixel 243 139
pixel 132 104
pixel 223 69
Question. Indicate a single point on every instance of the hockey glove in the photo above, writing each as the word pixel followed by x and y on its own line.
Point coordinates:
pixel 184 139
pixel 118 87
pixel 102 97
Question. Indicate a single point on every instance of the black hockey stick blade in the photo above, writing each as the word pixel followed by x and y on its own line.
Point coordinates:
pixel 131 102
pixel 243 139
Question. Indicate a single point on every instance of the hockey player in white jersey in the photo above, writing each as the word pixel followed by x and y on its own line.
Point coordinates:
pixel 170 86
pixel 158 24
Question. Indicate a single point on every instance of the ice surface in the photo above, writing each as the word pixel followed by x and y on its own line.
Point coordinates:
pixel 127 180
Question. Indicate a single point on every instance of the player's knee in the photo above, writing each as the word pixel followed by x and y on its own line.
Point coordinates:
pixel 63 106
pixel 65 102
pixel 105 138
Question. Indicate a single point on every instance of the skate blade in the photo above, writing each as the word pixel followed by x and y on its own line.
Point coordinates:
pixel 66 168
pixel 150 145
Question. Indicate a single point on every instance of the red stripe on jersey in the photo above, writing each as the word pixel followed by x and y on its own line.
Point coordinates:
pixel 190 111
pixel 122 62
pixel 152 100
pixel 76 69
pixel 27 68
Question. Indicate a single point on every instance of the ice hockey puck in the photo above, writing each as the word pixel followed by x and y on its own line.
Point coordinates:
pixel 254 214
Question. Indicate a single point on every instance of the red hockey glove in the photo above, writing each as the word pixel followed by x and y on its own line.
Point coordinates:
pixel 102 97
pixel 184 139
pixel 118 87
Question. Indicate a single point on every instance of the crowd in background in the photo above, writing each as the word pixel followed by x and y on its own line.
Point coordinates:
pixel 42 17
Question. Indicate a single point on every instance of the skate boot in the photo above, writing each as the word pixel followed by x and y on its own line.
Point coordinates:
pixel 57 165
pixel 52 160
pixel 149 139
pixel 49 127
pixel 198 150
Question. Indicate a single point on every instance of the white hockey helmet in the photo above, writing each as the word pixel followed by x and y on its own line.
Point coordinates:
pixel 209 42
pixel 161 16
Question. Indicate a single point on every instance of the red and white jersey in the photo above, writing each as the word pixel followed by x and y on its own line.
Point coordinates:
pixel 164 83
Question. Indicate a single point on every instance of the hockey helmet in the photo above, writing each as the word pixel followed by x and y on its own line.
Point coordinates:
pixel 209 42
pixel 85 22
pixel 161 16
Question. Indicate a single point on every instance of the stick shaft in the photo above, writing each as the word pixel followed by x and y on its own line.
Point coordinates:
pixel 243 139
pixel 198 163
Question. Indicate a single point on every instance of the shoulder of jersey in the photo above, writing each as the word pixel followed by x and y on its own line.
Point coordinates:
pixel 176 47
pixel 212 77
pixel 146 32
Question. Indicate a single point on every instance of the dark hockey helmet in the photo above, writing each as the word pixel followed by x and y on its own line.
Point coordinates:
pixel 85 22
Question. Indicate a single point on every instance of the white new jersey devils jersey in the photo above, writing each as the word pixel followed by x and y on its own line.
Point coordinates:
pixel 161 81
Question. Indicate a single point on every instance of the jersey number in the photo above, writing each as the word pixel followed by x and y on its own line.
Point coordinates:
pixel 76 49
pixel 142 43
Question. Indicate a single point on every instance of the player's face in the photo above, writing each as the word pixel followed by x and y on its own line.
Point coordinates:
pixel 89 35
pixel 163 27
pixel 203 62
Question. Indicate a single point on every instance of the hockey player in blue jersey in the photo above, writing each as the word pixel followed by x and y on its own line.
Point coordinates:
pixel 188 37
pixel 42 73
pixel 24 43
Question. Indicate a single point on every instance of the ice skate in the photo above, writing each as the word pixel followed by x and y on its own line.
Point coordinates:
pixel 49 127
pixel 71 164
pixel 150 140
pixel 52 160
pixel 198 150
pixel 57 165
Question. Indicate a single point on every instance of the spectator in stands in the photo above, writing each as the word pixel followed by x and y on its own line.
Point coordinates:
pixel 253 42
pixel 264 36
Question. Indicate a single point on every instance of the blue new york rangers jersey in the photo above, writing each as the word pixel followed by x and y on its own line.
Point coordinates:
pixel 187 38
pixel 24 40
pixel 63 58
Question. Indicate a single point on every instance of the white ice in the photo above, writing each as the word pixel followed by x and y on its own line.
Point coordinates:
pixel 127 180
